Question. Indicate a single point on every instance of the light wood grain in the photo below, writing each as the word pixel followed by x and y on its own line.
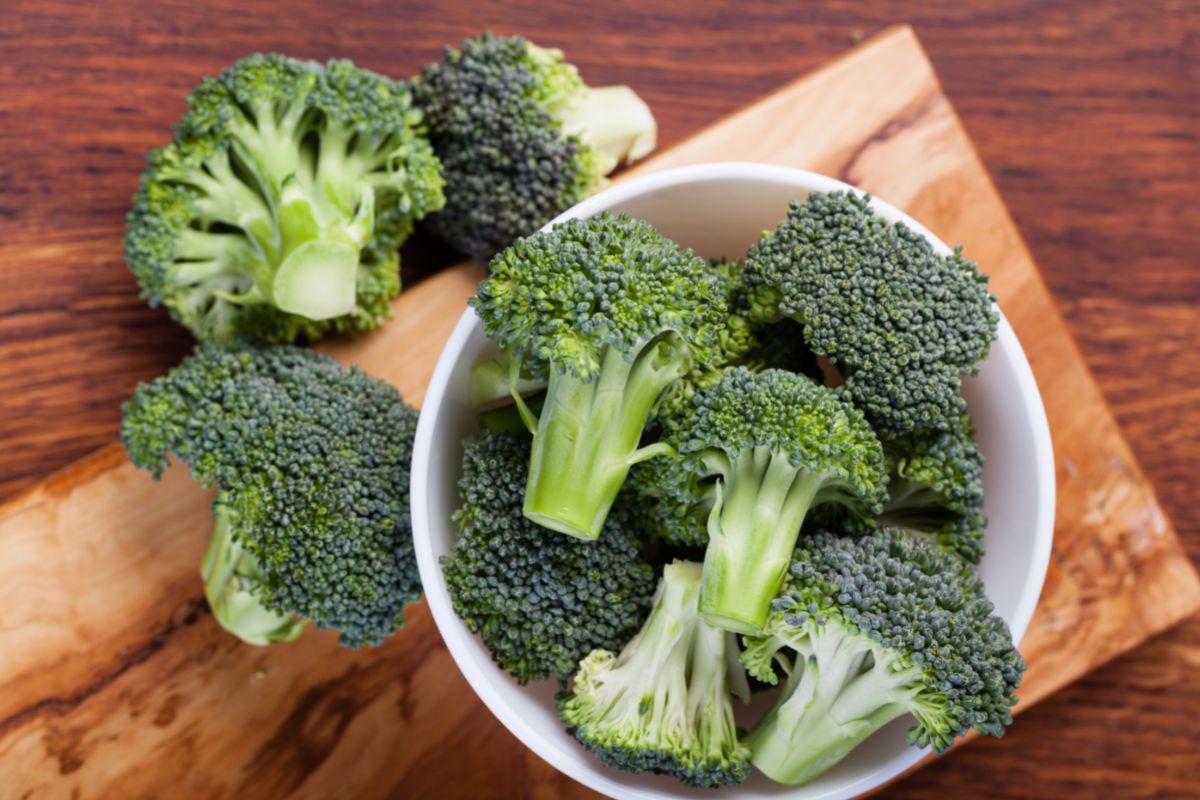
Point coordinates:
pixel 123 674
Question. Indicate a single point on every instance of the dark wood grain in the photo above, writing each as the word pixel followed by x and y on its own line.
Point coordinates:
pixel 1087 114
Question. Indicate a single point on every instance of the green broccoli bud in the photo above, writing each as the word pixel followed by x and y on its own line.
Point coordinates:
pixel 936 488
pixel 779 444
pixel 901 322
pixel 539 601
pixel 664 704
pixel 277 210
pixel 669 502
pixel 878 626
pixel 521 138
pixel 613 314
pixel 311 462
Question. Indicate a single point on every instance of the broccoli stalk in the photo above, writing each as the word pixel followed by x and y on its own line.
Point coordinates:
pixel 593 428
pixel 779 444
pixel 614 122
pixel 752 531
pixel 878 626
pixel 497 378
pixel 612 313
pixel 231 577
pixel 277 209
pixel 838 692
pixel 664 704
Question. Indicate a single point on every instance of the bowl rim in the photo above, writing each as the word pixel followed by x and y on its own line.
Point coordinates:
pixel 455 634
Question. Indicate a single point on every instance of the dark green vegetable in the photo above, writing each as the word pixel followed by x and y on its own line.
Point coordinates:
pixel 936 488
pixel 521 138
pixel 777 444
pixel 900 322
pixel 539 600
pixel 311 462
pixel 277 209
pixel 613 314
pixel 872 628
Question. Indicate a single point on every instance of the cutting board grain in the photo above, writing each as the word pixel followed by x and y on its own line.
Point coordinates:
pixel 115 681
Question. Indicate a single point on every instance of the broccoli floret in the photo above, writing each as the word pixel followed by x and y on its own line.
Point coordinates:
pixel 311 462
pixel 612 313
pixel 670 502
pixel 937 487
pixel 880 626
pixel 901 322
pixel 735 340
pixel 277 210
pixel 664 704
pixel 779 444
pixel 521 138
pixel 540 601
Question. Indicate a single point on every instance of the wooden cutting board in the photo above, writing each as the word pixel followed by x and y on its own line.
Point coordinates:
pixel 116 682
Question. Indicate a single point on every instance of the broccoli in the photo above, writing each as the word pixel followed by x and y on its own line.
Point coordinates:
pixel 521 138
pixel 670 503
pixel 612 313
pixel 880 625
pixel 735 341
pixel 937 487
pixel 901 322
pixel 664 704
pixel 539 600
pixel 277 209
pixel 778 444
pixel 311 462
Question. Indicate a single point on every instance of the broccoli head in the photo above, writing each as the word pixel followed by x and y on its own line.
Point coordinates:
pixel 901 322
pixel 664 704
pixel 539 600
pixel 277 210
pixel 311 462
pixel 613 314
pixel 735 340
pixel 521 138
pixel 937 487
pixel 878 626
pixel 776 444
pixel 670 502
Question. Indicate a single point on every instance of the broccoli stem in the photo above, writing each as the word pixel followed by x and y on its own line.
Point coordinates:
pixel 713 678
pixel 647 688
pixel 752 532
pixel 230 574
pixel 840 691
pixel 588 432
pixel 492 379
pixel 614 122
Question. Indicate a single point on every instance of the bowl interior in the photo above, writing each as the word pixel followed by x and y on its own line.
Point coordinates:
pixel 719 210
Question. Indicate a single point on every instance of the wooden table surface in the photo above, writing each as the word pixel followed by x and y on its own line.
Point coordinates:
pixel 1088 114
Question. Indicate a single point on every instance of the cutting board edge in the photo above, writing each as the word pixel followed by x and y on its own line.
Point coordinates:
pixel 1134 462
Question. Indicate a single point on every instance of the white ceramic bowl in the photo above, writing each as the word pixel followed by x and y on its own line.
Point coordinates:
pixel 720 209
